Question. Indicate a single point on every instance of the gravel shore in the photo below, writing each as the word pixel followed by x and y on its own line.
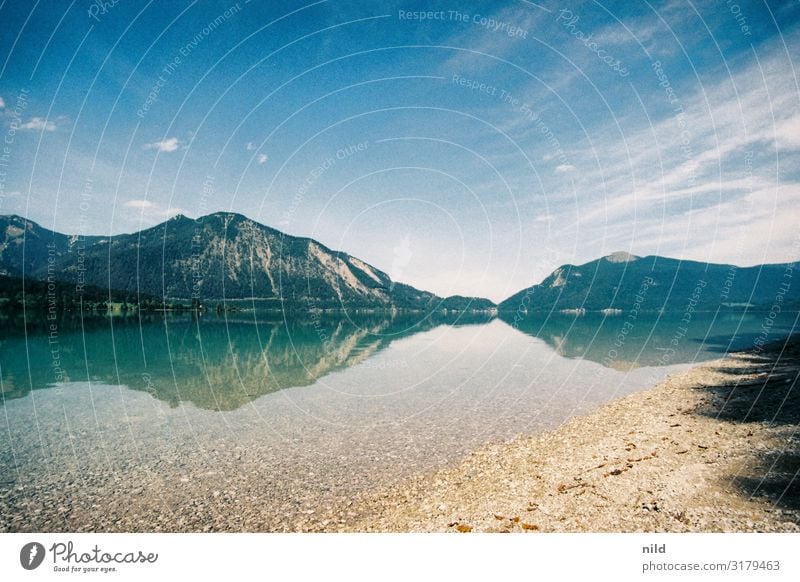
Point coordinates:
pixel 714 449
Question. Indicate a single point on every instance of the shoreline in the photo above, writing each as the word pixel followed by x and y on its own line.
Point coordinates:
pixel 712 449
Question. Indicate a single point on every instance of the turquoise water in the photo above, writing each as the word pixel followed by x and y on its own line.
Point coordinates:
pixel 301 414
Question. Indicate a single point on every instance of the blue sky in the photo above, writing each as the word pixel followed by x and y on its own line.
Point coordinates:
pixel 471 151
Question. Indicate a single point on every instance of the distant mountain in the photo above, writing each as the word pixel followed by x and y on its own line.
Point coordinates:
pixel 25 246
pixel 219 256
pixel 629 283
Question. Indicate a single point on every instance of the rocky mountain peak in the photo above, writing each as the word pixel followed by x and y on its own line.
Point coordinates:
pixel 621 257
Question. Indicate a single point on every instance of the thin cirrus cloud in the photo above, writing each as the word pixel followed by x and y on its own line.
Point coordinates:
pixel 139 204
pixel 150 210
pixel 262 159
pixel 695 189
pixel 37 124
pixel 170 144
pixel 476 50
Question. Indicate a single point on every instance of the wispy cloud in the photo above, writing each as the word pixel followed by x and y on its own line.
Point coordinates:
pixel 38 124
pixel 704 183
pixel 139 204
pixel 170 144
pixel 2 103
pixel 262 159
pixel 646 31
pixel 480 44
pixel 151 211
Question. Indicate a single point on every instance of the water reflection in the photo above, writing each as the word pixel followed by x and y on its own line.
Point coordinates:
pixel 213 362
pixel 374 400
pixel 219 363
pixel 623 342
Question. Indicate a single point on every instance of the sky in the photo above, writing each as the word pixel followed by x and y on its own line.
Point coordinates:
pixel 463 147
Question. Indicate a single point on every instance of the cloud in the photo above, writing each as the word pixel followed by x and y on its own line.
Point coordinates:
pixel 2 103
pixel 250 146
pixel 787 133
pixel 140 204
pixel 564 168
pixel 151 211
pixel 632 31
pixel 712 183
pixel 480 43
pixel 262 159
pixel 170 144
pixel 38 124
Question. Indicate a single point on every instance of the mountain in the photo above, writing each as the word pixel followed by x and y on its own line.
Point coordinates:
pixel 26 247
pixel 629 283
pixel 219 256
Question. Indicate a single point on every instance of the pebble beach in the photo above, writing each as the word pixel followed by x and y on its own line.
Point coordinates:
pixel 714 449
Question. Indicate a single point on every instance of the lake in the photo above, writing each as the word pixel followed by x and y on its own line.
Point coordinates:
pixel 251 422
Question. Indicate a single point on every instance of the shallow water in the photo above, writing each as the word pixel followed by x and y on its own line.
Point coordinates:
pixel 247 423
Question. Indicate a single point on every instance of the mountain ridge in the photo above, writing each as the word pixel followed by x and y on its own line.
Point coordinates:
pixel 228 256
pixel 219 256
pixel 624 282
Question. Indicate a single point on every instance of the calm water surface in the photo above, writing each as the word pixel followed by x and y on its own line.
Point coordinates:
pixel 294 418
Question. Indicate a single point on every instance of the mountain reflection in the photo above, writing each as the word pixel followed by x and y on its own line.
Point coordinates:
pixel 221 363
pixel 212 362
pixel 622 342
